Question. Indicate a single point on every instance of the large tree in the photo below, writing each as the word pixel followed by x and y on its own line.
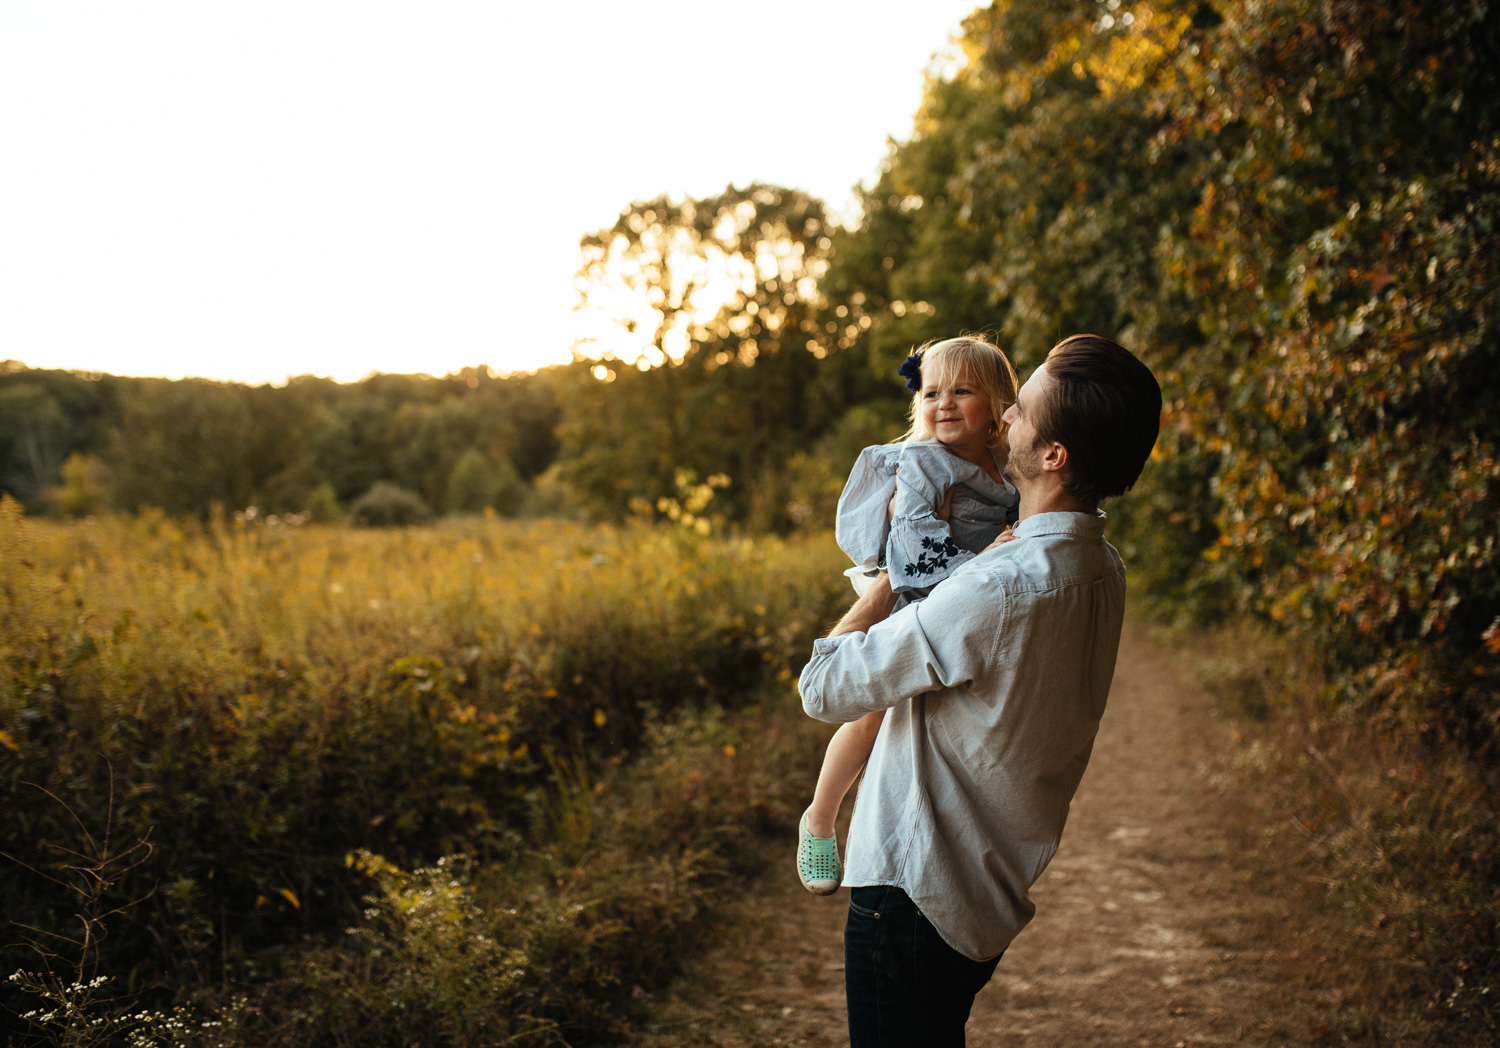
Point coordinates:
pixel 1288 210
pixel 735 374
pixel 46 416
pixel 183 446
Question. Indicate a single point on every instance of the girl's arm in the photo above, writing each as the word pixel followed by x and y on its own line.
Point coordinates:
pixel 920 551
pixel 944 511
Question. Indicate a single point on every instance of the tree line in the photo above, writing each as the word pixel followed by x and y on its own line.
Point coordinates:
pixel 1287 208
pixel 75 444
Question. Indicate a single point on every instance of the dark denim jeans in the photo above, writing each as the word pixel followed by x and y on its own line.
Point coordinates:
pixel 905 985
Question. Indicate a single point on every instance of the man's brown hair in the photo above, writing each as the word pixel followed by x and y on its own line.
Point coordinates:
pixel 1104 406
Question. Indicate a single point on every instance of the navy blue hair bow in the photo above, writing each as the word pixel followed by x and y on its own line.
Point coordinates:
pixel 912 372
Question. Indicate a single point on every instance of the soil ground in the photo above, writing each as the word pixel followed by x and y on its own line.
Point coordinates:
pixel 1148 932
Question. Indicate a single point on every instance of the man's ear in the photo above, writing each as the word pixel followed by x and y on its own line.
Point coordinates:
pixel 1055 458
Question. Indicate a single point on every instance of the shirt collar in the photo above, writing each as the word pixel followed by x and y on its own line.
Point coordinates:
pixel 1077 525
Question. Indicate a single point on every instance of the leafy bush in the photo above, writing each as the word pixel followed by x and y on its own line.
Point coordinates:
pixel 1346 277
pixel 388 505
pixel 323 505
pixel 85 487
pixel 476 485
pixel 560 942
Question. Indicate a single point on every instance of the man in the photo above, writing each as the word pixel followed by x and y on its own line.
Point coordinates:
pixel 995 685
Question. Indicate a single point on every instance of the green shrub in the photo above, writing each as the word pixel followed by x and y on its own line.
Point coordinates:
pixel 85 488
pixel 388 505
pixel 323 505
pixel 561 941
pixel 476 484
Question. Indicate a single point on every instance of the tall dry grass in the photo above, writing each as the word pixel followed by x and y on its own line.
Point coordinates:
pixel 1399 836
pixel 260 702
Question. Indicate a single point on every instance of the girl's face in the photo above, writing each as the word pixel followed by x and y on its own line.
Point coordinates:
pixel 957 413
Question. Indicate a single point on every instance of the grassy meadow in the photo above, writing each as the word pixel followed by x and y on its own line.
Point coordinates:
pixel 384 786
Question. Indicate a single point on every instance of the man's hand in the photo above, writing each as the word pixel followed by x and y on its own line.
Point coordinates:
pixel 1008 535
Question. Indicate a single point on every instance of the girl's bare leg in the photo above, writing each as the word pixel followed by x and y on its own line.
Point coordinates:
pixel 847 752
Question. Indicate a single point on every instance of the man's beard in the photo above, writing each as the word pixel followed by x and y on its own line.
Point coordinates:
pixel 1022 464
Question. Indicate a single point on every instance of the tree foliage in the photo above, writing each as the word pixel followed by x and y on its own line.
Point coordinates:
pixel 45 416
pixel 1288 210
pixel 186 445
pixel 724 294
pixel 1344 261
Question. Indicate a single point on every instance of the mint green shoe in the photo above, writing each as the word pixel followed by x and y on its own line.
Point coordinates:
pixel 818 866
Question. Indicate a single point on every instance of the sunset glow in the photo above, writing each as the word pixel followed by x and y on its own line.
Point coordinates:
pixel 339 188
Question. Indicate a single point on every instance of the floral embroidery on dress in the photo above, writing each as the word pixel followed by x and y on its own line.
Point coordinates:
pixel 941 550
pixel 889 505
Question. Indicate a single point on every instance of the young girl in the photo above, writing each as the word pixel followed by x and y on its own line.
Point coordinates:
pixel 919 509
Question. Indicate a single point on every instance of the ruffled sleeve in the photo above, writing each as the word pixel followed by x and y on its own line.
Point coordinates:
pixel 921 552
pixel 861 525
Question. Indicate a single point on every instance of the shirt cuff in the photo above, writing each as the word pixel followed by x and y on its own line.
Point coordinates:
pixel 823 645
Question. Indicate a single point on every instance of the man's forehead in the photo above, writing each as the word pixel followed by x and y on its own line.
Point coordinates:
pixel 1033 386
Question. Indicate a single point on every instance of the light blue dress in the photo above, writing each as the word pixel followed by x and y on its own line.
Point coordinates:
pixel 914 544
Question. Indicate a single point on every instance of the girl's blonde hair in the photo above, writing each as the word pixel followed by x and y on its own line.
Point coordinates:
pixel 987 369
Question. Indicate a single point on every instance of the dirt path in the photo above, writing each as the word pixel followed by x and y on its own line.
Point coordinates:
pixel 1145 933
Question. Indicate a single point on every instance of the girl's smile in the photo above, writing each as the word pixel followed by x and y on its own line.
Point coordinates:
pixel 958 415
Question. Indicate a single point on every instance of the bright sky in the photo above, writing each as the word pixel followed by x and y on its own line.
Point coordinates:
pixel 253 190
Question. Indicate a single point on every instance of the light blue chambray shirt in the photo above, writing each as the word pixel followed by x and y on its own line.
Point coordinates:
pixel 920 548
pixel 1007 665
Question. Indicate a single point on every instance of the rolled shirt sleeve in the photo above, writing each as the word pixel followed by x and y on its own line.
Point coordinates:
pixel 857 673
